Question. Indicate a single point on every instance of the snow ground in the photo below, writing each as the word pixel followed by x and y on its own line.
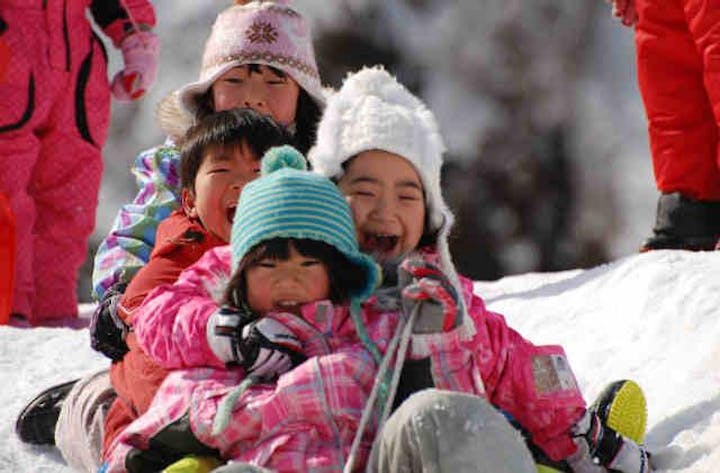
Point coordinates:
pixel 652 317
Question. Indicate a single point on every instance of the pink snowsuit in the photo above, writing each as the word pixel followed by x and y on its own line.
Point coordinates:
pixel 307 420
pixel 54 115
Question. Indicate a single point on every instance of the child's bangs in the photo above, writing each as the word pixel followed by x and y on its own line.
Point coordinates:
pixel 345 276
pixel 277 249
pixel 257 68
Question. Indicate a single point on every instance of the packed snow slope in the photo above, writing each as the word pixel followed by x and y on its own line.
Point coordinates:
pixel 652 317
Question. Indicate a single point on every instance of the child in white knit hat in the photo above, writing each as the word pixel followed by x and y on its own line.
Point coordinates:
pixel 382 146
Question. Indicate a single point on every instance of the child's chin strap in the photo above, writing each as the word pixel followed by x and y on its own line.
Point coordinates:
pixel 380 389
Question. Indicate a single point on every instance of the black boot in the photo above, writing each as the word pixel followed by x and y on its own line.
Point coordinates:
pixel 684 224
pixel 36 423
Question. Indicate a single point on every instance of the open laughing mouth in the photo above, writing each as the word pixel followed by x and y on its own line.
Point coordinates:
pixel 231 213
pixel 380 243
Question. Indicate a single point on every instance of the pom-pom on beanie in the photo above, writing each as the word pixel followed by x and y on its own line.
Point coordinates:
pixel 287 201
pixel 265 32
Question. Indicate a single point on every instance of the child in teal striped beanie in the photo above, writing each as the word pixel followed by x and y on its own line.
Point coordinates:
pixel 288 275
pixel 293 242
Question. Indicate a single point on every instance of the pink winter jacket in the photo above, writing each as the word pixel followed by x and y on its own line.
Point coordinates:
pixel 307 420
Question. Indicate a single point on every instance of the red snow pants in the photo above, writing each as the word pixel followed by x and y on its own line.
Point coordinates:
pixel 54 115
pixel 678 60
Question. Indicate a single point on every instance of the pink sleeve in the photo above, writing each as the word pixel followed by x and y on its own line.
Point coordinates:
pixel 532 384
pixel 535 386
pixel 171 323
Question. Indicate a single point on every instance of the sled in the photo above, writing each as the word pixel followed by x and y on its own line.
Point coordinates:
pixel 7 257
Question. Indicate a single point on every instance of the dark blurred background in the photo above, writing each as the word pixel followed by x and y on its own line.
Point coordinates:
pixel 547 167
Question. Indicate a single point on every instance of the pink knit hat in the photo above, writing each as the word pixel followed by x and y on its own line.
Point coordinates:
pixel 258 32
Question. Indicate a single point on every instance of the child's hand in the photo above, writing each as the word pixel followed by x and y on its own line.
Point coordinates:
pixel 140 52
pixel 107 329
pixel 625 11
pixel 269 349
pixel 263 346
pixel 424 284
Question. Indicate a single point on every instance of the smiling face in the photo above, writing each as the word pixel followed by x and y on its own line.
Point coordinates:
pixel 220 178
pixel 386 196
pixel 286 284
pixel 260 88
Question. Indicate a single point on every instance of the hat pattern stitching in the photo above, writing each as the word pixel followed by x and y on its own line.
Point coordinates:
pixel 262 32
pixel 267 56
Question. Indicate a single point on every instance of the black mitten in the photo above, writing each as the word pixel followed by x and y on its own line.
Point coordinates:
pixel 107 329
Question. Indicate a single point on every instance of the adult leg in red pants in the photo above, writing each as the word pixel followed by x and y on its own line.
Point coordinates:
pixel 678 58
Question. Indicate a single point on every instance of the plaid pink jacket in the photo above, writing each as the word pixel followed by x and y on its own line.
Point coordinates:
pixel 307 420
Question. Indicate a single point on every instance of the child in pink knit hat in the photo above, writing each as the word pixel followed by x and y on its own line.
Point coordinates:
pixel 259 55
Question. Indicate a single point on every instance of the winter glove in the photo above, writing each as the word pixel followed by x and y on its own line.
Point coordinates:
pixel 140 52
pixel 424 284
pixel 107 329
pixel 625 11
pixel 606 447
pixel 263 346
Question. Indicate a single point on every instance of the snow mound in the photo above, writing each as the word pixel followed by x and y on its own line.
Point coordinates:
pixel 653 317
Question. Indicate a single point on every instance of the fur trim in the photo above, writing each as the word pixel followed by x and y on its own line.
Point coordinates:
pixel 171 117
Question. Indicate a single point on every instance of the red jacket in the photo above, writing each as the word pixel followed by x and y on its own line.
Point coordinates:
pixel 179 243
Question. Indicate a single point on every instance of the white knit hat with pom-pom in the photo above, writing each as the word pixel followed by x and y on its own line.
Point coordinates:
pixel 372 111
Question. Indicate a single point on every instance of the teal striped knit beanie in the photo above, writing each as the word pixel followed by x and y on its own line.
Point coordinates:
pixel 288 201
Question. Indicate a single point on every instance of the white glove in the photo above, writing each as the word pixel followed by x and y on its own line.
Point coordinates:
pixel 263 346
pixel 269 348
